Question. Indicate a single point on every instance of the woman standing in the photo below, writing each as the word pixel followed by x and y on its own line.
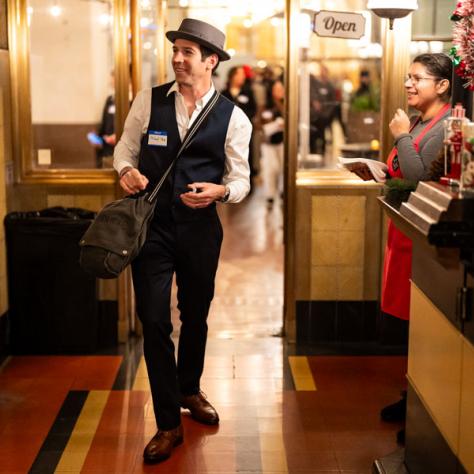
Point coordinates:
pixel 272 146
pixel 418 141
pixel 239 90
pixel 417 144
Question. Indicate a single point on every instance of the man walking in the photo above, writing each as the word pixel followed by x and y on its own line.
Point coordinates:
pixel 185 234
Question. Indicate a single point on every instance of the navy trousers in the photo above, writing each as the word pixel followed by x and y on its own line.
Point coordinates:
pixel 191 250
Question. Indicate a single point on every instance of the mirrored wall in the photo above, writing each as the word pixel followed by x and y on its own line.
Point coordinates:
pixel 339 84
pixel 72 83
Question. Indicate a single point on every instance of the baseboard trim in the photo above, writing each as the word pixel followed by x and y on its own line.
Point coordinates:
pixel 4 350
pixel 343 327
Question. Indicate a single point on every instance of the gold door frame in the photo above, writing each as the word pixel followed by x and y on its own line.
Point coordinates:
pixel 290 165
pixel 395 64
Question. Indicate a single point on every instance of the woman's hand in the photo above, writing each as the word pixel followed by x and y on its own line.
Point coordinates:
pixel 399 124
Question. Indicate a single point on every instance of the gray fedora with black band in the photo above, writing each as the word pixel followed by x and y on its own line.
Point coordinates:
pixel 202 33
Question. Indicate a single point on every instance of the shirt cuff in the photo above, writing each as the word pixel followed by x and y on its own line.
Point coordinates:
pixel 125 170
pixel 121 165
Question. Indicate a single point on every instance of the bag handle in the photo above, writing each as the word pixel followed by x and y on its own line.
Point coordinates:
pixel 187 140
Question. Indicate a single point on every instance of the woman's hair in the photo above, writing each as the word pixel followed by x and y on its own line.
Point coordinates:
pixel 230 75
pixel 438 65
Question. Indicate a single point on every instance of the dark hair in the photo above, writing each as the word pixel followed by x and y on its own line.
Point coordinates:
pixel 438 65
pixel 206 52
pixel 231 73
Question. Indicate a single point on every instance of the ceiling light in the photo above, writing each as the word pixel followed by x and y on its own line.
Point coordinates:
pixel 275 21
pixel 105 19
pixel 55 10
pixel 392 9
pixel 248 23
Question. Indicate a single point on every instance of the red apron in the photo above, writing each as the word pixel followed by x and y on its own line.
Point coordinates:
pixel 397 262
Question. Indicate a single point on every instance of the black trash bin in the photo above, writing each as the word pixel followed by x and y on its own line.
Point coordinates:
pixel 53 304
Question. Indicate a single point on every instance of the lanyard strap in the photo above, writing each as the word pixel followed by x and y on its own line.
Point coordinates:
pixel 430 125
pixel 187 140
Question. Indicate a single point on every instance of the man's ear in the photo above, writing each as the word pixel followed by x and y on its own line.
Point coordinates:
pixel 212 61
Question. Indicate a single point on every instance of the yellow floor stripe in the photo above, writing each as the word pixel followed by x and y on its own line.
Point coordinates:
pixel 272 452
pixel 81 438
pixel 141 378
pixel 302 375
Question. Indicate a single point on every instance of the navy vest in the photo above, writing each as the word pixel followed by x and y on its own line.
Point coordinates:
pixel 202 161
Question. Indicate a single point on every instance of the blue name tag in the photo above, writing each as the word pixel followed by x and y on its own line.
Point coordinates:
pixel 156 138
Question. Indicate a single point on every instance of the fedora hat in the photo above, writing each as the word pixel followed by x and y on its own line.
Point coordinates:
pixel 202 33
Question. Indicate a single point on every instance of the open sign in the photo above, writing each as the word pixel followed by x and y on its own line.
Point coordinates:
pixel 339 24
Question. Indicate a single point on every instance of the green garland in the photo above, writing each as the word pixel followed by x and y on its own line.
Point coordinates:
pixel 397 190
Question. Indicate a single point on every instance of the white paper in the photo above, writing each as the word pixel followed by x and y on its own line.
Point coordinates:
pixel 377 168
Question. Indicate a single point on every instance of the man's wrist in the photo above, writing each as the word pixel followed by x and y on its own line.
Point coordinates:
pixel 226 194
pixel 124 171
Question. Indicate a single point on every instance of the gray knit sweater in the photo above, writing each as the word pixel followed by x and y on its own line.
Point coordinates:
pixel 414 165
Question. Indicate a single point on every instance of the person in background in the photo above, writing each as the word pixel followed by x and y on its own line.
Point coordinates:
pixel 239 91
pixel 272 148
pixel 185 233
pixel 104 140
pixel 107 131
pixel 366 97
pixel 418 141
pixel 323 106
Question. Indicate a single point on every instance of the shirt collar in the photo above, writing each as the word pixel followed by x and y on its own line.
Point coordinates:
pixel 200 102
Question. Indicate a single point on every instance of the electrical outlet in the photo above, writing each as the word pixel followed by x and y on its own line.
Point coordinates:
pixel 44 157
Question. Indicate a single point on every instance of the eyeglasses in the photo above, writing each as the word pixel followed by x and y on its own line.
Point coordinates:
pixel 416 79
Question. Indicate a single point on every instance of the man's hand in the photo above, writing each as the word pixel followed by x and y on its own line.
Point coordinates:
pixel 399 124
pixel 132 181
pixel 202 194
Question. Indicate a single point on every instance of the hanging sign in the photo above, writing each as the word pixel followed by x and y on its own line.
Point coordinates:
pixel 339 24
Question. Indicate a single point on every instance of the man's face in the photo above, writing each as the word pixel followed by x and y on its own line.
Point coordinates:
pixel 188 65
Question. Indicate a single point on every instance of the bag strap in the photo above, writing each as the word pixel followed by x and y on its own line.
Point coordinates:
pixel 187 140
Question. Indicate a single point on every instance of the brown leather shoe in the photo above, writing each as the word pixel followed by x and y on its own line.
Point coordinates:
pixel 161 445
pixel 201 410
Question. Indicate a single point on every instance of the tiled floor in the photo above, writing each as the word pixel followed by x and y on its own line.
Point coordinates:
pixel 279 413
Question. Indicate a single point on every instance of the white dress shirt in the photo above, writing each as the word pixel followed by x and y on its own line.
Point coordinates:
pixel 236 171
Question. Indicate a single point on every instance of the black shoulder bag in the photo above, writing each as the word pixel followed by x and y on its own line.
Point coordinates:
pixel 117 234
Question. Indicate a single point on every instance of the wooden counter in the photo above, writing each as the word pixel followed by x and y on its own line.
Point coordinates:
pixel 440 413
pixel 338 258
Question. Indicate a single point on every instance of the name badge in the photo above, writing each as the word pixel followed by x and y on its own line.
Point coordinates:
pixel 157 138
